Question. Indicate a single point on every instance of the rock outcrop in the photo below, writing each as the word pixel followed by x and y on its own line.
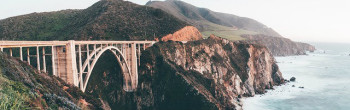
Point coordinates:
pixel 280 46
pixel 188 33
pixel 206 74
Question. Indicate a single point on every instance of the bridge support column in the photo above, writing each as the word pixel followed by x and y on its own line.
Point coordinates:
pixel 133 67
pixel 20 53
pixel 61 63
pixel 71 64
pixel 53 58
pixel 11 52
pixel 44 59
pixel 28 56
pixel 139 54
pixel 37 58
pixel 80 69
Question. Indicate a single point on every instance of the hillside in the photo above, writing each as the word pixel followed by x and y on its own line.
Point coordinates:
pixel 22 87
pixel 105 20
pixel 209 22
pixel 232 27
pixel 280 46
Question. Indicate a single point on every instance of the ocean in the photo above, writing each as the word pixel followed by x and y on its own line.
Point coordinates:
pixel 323 74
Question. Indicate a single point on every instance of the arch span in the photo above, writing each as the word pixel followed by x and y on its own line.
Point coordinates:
pixel 128 77
pixel 73 61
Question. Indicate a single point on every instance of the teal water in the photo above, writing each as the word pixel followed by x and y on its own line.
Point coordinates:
pixel 324 74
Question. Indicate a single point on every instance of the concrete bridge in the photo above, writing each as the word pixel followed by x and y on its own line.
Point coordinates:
pixel 73 61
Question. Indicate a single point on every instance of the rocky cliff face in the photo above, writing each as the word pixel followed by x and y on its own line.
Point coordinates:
pixel 280 46
pixel 188 33
pixel 22 87
pixel 207 74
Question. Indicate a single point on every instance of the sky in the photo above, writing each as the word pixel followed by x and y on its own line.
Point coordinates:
pixel 299 20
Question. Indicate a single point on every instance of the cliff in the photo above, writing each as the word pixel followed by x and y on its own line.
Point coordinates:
pixel 188 33
pixel 104 20
pixel 213 73
pixel 207 74
pixel 280 46
pixel 23 87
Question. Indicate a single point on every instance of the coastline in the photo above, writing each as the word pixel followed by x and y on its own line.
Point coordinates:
pixel 284 91
pixel 323 74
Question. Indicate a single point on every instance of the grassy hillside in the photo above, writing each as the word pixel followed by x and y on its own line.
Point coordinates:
pixel 23 87
pixel 35 26
pixel 210 22
pixel 105 20
pixel 232 35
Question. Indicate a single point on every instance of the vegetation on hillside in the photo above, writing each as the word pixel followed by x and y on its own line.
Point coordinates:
pixel 105 20
pixel 22 87
pixel 230 33
pixel 35 26
pixel 210 22
pixel 233 35
pixel 14 95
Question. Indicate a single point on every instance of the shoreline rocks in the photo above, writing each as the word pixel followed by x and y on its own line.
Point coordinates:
pixel 292 79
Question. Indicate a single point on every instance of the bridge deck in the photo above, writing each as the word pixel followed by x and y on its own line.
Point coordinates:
pixel 5 44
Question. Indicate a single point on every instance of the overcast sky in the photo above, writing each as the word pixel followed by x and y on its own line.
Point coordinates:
pixel 300 20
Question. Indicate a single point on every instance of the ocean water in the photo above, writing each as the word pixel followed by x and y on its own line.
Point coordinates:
pixel 324 74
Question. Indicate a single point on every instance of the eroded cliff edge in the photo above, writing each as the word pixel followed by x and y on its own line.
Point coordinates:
pixel 206 74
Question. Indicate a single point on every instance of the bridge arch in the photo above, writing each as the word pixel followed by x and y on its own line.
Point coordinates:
pixel 122 60
pixel 73 61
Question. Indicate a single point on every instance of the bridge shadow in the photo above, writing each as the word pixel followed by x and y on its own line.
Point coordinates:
pixel 106 83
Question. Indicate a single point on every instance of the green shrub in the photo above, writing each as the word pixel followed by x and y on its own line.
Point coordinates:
pixel 12 96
